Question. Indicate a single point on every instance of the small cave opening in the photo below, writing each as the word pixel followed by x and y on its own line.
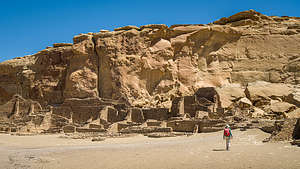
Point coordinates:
pixel 208 93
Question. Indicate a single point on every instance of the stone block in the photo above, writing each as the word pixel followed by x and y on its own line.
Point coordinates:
pixel 183 125
pixel 156 113
pixel 177 108
pixel 68 129
pixel 135 115
pixel 109 114
pixel 153 123
pixel 96 126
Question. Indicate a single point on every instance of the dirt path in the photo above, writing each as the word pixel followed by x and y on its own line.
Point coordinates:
pixel 194 152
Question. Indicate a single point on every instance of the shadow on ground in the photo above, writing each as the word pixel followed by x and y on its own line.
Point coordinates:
pixel 219 149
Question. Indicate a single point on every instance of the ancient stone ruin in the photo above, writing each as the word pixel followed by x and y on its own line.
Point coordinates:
pixel 243 70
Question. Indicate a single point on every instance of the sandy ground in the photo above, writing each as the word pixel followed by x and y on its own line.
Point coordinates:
pixel 139 152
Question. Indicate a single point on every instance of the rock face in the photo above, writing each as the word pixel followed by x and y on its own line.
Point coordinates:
pixel 286 131
pixel 296 132
pixel 158 72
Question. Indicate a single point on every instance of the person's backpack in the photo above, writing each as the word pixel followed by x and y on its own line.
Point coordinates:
pixel 227 132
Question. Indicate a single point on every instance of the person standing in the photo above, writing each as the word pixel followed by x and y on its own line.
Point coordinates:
pixel 227 136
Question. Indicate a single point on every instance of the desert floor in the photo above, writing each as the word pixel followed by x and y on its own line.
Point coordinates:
pixel 200 151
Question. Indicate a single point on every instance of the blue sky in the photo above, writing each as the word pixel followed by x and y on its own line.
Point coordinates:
pixel 27 26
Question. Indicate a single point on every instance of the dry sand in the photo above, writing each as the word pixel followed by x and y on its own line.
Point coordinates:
pixel 139 152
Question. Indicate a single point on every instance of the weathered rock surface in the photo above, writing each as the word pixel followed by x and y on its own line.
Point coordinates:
pixel 116 80
pixel 141 63
pixel 294 114
pixel 261 93
pixel 286 131
pixel 282 107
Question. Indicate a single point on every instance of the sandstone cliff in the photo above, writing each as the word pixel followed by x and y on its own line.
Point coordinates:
pixel 151 65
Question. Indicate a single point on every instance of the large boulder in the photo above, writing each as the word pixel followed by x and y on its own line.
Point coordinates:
pixel 244 103
pixel 230 93
pixel 261 93
pixel 257 113
pixel 294 98
pixel 282 107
